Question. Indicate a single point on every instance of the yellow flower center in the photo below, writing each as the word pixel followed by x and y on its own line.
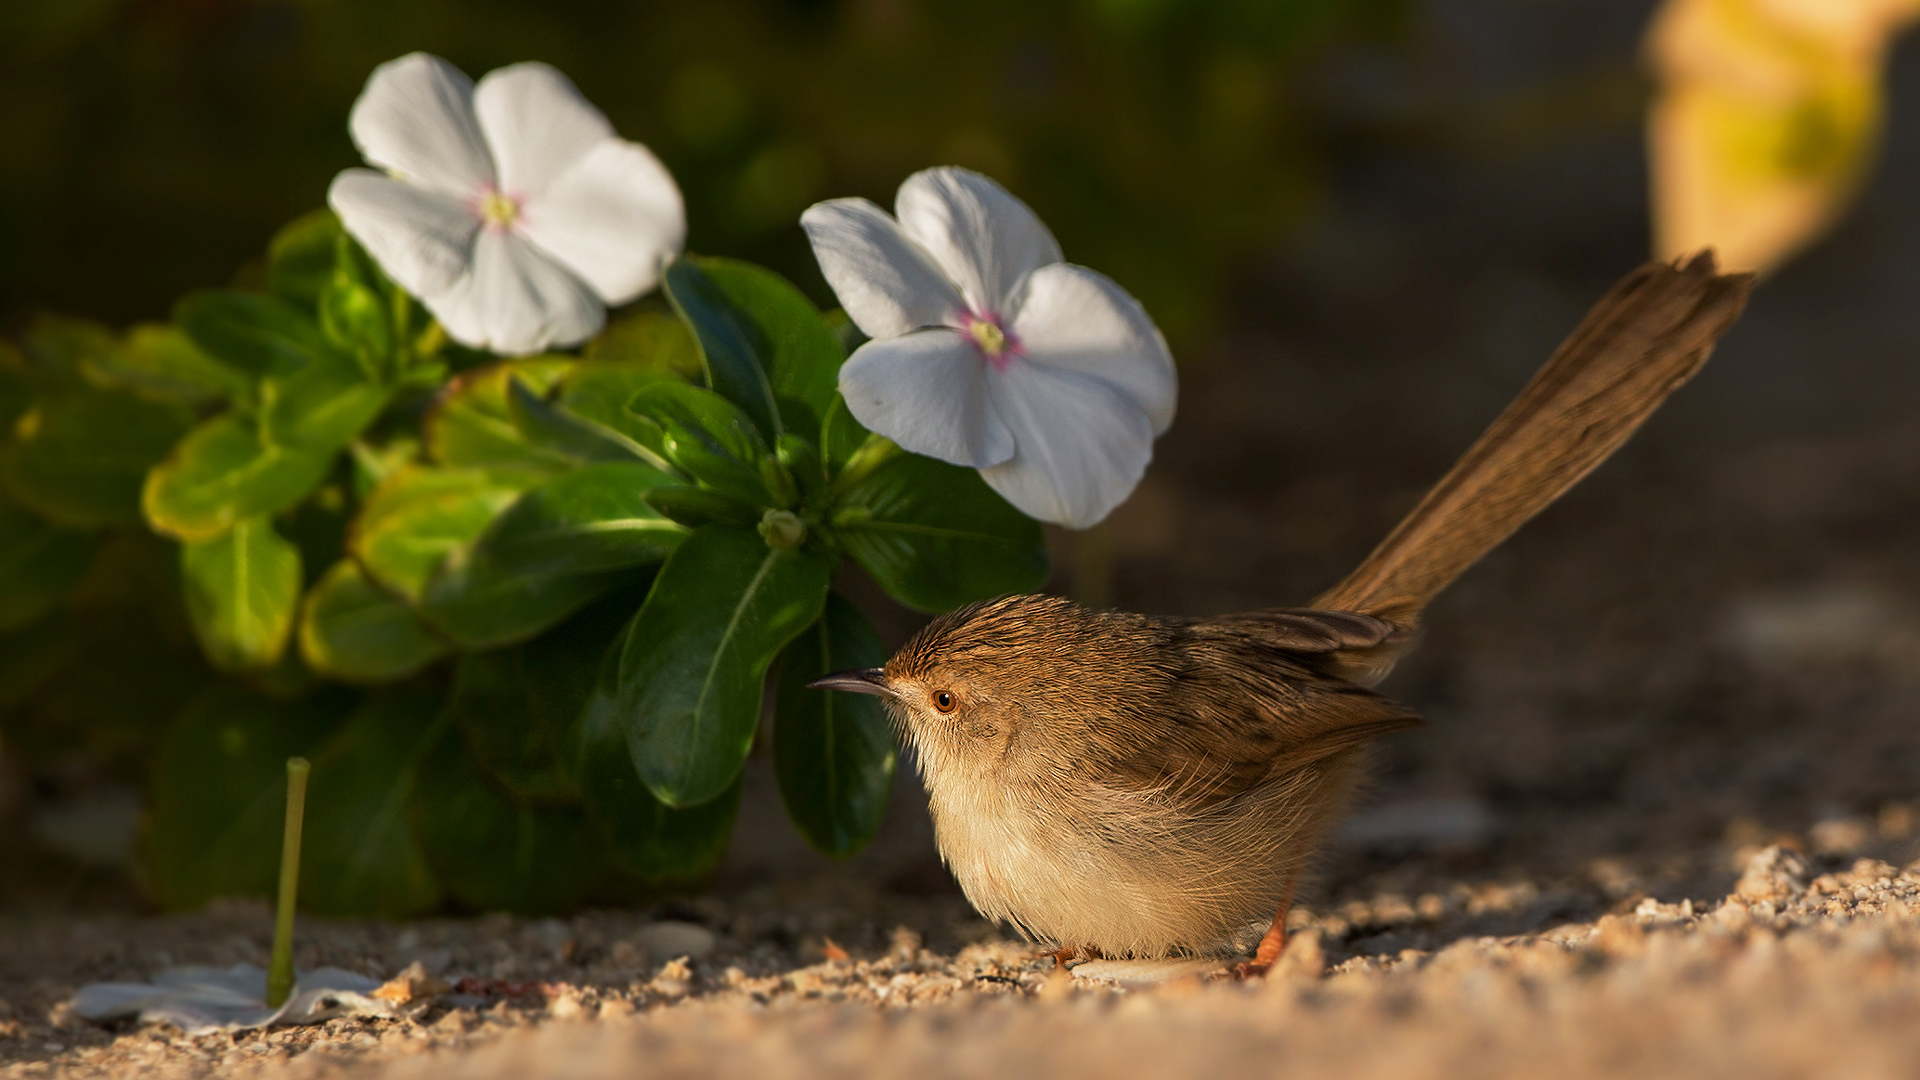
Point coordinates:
pixel 497 210
pixel 991 339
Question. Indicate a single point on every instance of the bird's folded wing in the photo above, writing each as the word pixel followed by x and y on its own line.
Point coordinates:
pixel 1254 700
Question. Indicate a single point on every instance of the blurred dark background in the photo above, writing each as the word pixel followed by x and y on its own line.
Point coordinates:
pixel 1362 224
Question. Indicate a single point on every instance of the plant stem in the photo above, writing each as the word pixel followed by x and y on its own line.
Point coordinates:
pixel 280 967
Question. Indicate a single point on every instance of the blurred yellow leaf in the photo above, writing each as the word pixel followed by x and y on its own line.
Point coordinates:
pixel 1766 117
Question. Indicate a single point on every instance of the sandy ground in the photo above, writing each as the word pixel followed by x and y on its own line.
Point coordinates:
pixel 1807 964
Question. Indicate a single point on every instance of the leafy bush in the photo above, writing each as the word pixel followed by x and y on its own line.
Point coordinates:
pixel 520 612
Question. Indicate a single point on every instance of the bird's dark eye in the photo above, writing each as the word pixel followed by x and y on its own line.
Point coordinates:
pixel 943 701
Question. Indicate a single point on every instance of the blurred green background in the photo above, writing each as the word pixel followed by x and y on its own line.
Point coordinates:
pixel 151 145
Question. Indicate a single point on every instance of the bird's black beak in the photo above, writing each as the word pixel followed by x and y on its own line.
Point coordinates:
pixel 871 680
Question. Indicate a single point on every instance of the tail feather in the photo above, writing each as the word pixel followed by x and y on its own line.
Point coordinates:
pixel 1640 343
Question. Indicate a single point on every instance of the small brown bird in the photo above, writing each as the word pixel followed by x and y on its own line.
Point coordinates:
pixel 1127 785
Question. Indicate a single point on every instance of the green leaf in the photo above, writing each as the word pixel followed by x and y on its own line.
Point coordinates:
pixel 841 437
pixel 519 706
pixel 80 457
pixel 322 406
pixel 765 346
pixel 419 515
pixel 694 507
pixel 252 332
pixel 39 565
pixel 481 605
pixel 598 391
pixel 691 674
pixel 651 340
pixel 833 751
pixel 242 592
pixel 159 361
pixel 471 424
pixel 644 838
pixel 354 318
pixel 495 852
pixel 935 536
pixel 16 387
pixel 300 260
pixel 359 855
pixel 352 630
pixel 546 425
pixel 707 437
pixel 592 519
pixel 222 473
pixel 218 794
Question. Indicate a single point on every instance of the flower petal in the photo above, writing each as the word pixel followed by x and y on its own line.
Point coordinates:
pixel 1075 319
pixel 423 239
pixel 888 284
pixel 983 237
pixel 416 118
pixel 517 300
pixel 614 218
pixel 927 392
pixel 1083 444
pixel 537 125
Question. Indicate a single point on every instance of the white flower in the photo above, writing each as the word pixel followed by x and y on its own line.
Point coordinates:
pixel 988 351
pixel 510 208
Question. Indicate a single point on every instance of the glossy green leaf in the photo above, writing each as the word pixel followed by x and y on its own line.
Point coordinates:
pixel 39 564
pixel 252 332
pixel 300 260
pixel 841 437
pixel 644 838
pixel 218 794
pixel 418 516
pixel 352 630
pixel 833 751
pixel 480 605
pixel 696 658
pixel 160 361
pixel 359 855
pixel 547 425
pixel 592 519
pixel 81 457
pixel 471 423
pixel 493 851
pixel 935 536
pixel 694 507
pixel 708 438
pixel 765 346
pixel 60 349
pixel 222 473
pixel 242 593
pixel 598 391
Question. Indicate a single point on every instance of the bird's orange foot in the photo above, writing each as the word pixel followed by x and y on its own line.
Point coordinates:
pixel 1062 956
pixel 1272 944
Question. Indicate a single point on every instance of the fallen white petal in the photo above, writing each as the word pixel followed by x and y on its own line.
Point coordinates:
pixel 888 284
pixel 517 300
pixel 985 239
pixel 423 239
pixel 202 999
pixel 1074 319
pixel 537 125
pixel 927 392
pixel 1082 444
pixel 416 118
pixel 615 218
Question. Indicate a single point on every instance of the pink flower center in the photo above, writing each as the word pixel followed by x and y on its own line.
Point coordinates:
pixel 997 345
pixel 497 209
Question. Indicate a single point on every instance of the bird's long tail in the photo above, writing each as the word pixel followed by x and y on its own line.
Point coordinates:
pixel 1640 343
